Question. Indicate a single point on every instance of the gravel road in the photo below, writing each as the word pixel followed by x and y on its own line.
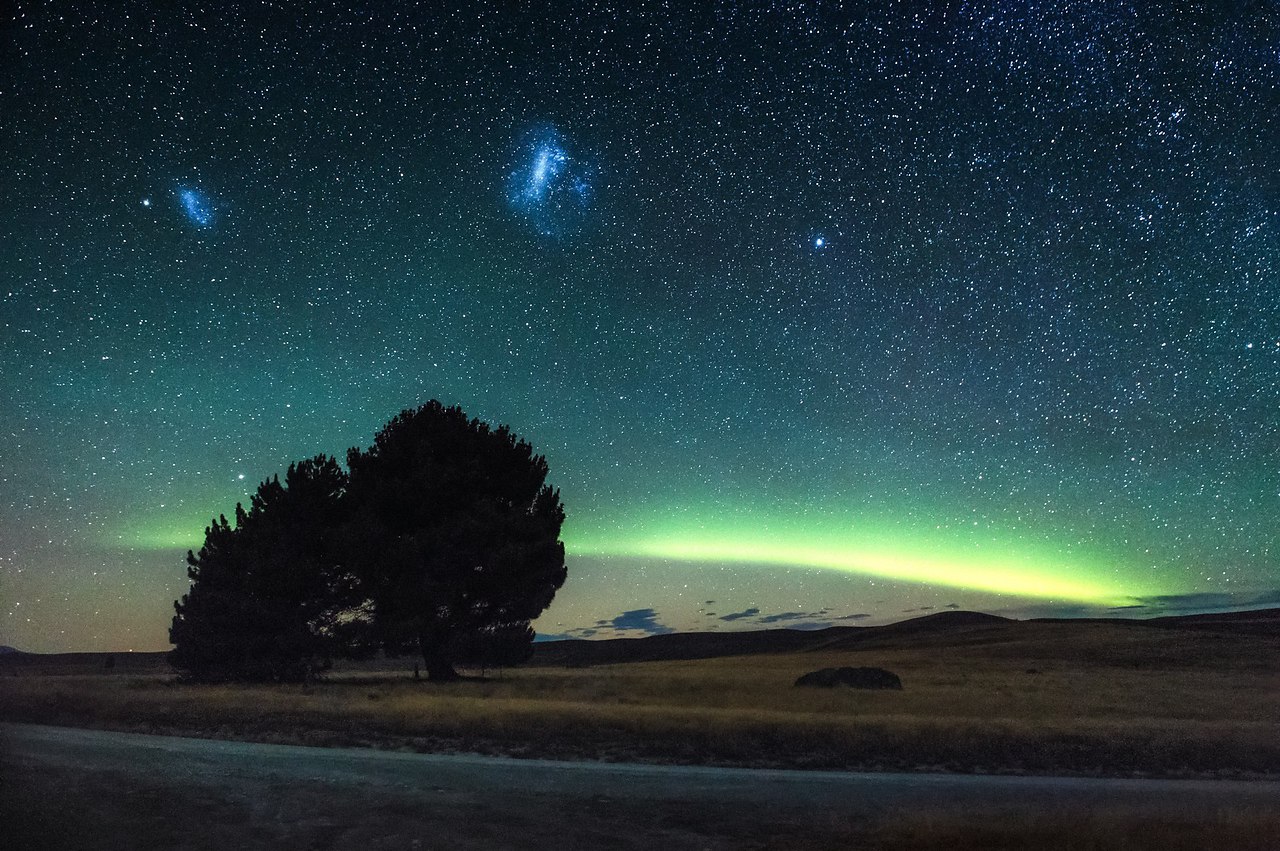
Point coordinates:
pixel 71 788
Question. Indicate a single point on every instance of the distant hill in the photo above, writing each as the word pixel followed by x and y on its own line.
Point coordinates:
pixel 1256 622
pixel 83 663
pixel 706 645
pixel 945 620
pixel 1126 639
pixel 680 645
pixel 941 629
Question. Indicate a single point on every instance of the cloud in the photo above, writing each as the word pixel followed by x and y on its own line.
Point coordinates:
pixel 792 620
pixel 784 616
pixel 634 620
pixel 1209 601
pixel 579 632
pixel 805 620
pixel 1200 602
pixel 1189 602
pixel 645 620
pixel 858 617
pixel 952 606
pixel 737 616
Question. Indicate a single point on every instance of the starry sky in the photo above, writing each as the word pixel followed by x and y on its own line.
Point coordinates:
pixel 821 315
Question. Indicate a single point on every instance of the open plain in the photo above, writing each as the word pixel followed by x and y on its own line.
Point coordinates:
pixel 1195 699
pixel 1122 698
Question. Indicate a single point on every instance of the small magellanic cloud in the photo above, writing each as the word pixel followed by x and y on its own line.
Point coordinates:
pixel 197 206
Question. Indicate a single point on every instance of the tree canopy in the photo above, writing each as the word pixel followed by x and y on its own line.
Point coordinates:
pixel 457 530
pixel 269 594
pixel 443 540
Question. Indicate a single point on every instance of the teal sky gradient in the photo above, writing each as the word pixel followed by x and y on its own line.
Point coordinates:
pixel 1031 367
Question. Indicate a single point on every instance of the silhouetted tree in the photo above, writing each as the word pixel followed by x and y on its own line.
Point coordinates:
pixel 495 646
pixel 270 597
pixel 453 531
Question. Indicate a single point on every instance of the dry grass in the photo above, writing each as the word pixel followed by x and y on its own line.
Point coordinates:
pixel 1246 829
pixel 1096 701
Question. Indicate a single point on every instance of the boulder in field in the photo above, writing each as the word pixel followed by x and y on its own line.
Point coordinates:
pixel 851 678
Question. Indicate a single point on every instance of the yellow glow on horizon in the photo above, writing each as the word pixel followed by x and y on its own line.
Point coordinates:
pixel 981 569
pixel 953 558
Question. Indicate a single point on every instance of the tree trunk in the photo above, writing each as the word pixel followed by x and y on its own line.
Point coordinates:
pixel 439 669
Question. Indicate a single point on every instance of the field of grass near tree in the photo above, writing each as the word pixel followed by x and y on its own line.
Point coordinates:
pixel 1048 697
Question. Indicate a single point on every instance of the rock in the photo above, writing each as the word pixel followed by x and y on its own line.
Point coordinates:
pixel 852 678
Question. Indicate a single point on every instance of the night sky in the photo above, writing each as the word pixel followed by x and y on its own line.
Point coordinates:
pixel 820 315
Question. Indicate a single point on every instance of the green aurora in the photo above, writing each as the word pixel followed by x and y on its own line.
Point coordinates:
pixel 1000 562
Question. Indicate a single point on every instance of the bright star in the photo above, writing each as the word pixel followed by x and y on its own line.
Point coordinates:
pixel 146 202
pixel 818 242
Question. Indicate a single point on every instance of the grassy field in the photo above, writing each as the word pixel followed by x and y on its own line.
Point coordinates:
pixel 1088 698
pixel 1096 830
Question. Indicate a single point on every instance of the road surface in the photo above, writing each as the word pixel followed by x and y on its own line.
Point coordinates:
pixel 76 788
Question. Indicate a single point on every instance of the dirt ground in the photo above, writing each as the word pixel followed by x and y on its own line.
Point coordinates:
pixel 73 789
